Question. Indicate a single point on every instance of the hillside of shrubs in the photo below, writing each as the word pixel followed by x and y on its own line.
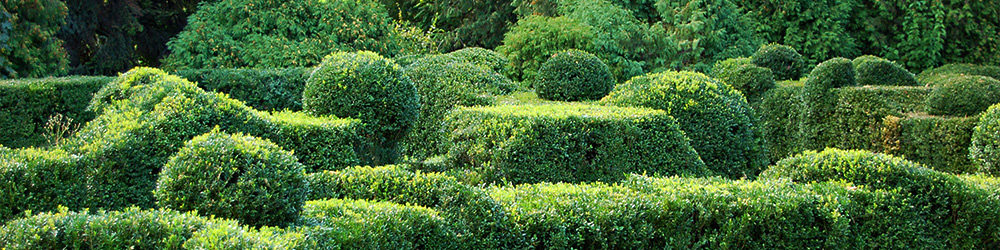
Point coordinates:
pixel 512 124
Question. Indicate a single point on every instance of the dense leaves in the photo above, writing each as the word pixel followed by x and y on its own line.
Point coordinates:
pixel 28 43
pixel 574 75
pixel 985 149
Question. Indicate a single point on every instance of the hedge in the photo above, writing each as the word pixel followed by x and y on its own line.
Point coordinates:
pixel 145 116
pixel 985 149
pixel 360 224
pixel 262 89
pixel 39 112
pixel 784 61
pixel 751 80
pixel 937 142
pixel 568 143
pixel 932 77
pixel 574 75
pixel 478 220
pixel 873 70
pixel 958 215
pixel 820 101
pixel 716 117
pixel 963 95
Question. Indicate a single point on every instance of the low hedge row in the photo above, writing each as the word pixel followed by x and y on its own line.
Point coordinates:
pixel 145 116
pixel 939 142
pixel 567 143
pixel 28 105
pixel 360 224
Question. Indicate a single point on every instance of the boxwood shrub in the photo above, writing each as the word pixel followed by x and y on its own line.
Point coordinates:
pixel 873 70
pixel 934 141
pixel 784 61
pixel 360 224
pixel 567 143
pixel 444 82
pixel 751 80
pixel 574 75
pixel 932 77
pixel 716 117
pixel 30 109
pixel 484 58
pixel 820 99
pixel 236 177
pixel 963 95
pixel 985 149
pixel 479 221
pixel 261 89
pixel 366 86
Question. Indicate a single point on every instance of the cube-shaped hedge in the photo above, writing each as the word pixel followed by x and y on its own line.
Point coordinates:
pixel 567 143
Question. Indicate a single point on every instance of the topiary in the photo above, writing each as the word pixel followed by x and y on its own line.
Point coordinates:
pixel 444 82
pixel 932 77
pixel 279 34
pixel 784 61
pixel 366 86
pixel 715 116
pixel 574 75
pixel 873 70
pixel 820 101
pixel 985 149
pixel 751 80
pixel 963 95
pixel 28 43
pixel 534 39
pixel 234 176
pixel 834 73
pixel 485 58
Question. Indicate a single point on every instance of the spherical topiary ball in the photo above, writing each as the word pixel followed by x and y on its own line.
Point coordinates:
pixel 574 75
pixel 236 177
pixel 834 73
pixel 784 61
pixel 873 70
pixel 368 87
pixel 985 149
pixel 716 118
pixel 749 79
pixel 963 95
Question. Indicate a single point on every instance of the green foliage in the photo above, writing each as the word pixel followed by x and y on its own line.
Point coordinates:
pixel 820 100
pixel 234 176
pixel 462 23
pixel 932 77
pixel 940 143
pixel 963 95
pixel 985 149
pixel 36 112
pixel 270 33
pixel 262 89
pixel 567 143
pixel 708 31
pixel 873 70
pixel 479 222
pixel 534 39
pixel 487 59
pixel 784 61
pixel 369 87
pixel 957 214
pixel 781 112
pixel 817 29
pixel 574 75
pixel 30 46
pixel 444 82
pixel 715 116
pixel 751 80
pixel 360 224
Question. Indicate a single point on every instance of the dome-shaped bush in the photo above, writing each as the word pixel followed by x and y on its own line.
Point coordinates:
pixel 873 70
pixel 749 79
pixel 834 73
pixel 932 77
pixel 534 39
pixel 236 177
pixel 714 115
pixel 369 87
pixel 574 75
pixel 485 58
pixel 784 61
pixel 963 95
pixel 985 149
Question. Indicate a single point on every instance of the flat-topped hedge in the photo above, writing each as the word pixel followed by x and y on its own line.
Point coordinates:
pixel 568 143
pixel 28 105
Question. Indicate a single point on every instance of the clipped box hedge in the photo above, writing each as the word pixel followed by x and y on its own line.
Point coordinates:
pixel 567 143
pixel 941 143
pixel 262 89
pixel 26 105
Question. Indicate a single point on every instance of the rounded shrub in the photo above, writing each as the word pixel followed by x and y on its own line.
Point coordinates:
pixel 715 116
pixel 873 70
pixel 574 75
pixel 963 95
pixel 820 101
pixel 784 61
pixel 234 176
pixel 534 39
pixel 751 80
pixel 985 149
pixel 485 58
pixel 369 87
pixel 445 82
pixel 834 73
pixel 932 77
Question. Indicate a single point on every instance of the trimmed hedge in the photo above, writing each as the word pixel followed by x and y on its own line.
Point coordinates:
pixel 784 61
pixel 932 77
pixel 30 109
pixel 821 102
pixel 234 176
pixel 985 149
pixel 360 224
pixel 145 117
pixel 478 220
pixel 484 58
pixel 262 89
pixel 873 70
pixel 535 38
pixel 963 95
pixel 716 117
pixel 751 80
pixel 366 86
pixel 958 215
pixel 937 142
pixel 574 75
pixel 445 82
pixel 567 143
